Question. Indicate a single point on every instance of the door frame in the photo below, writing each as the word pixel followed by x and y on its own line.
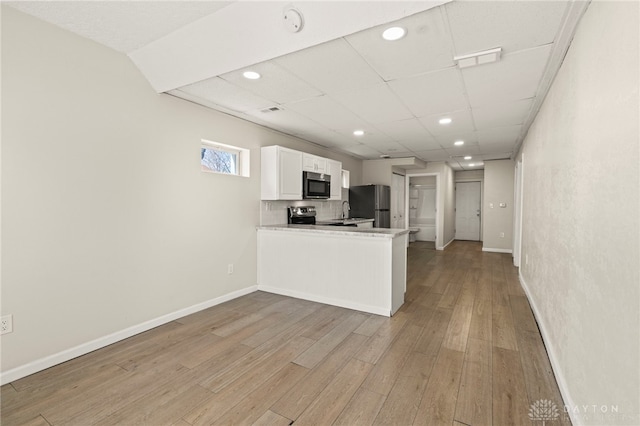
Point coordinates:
pixel 517 212
pixel 481 182
pixel 439 230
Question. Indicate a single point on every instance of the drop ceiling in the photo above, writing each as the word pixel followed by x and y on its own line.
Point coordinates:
pixel 341 75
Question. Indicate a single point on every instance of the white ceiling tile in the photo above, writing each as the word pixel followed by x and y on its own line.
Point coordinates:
pixel 502 114
pixel 516 76
pixel 405 130
pixel 426 47
pixel 386 147
pixel 122 25
pixel 220 92
pixel 512 25
pixel 432 93
pixel 462 122
pixel 283 118
pixel 448 140
pixel 331 67
pixel 275 84
pixel 473 150
pixel 499 136
pixel 420 145
pixel 433 155
pixel 376 104
pixel 328 113
pixel 363 151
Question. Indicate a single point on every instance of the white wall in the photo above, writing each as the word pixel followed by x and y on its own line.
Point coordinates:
pixel 581 217
pixel 107 220
pixel 497 222
pixel 446 219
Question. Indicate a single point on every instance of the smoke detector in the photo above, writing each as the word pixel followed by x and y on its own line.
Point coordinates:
pixel 293 20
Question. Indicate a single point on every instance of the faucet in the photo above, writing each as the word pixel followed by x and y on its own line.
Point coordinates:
pixel 344 215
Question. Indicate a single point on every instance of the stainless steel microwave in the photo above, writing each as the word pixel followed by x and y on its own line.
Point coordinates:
pixel 316 185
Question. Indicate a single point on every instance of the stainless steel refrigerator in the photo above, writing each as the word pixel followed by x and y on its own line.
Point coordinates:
pixel 371 201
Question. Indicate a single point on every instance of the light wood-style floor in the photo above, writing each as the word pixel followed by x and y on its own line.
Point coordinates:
pixel 463 350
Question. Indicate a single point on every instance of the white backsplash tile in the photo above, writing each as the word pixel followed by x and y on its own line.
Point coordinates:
pixel 275 212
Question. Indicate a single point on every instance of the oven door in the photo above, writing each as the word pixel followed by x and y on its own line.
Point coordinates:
pixel 316 185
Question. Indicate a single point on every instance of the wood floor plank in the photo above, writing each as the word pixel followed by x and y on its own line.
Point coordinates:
pixel 386 370
pixel 361 409
pixel 458 330
pixel 294 402
pixel 371 325
pixel 510 402
pixel 402 403
pixel 430 341
pixel 213 408
pixel 538 375
pixel 320 349
pixel 377 344
pixel 522 315
pixel 251 408
pixel 439 399
pixel 269 418
pixel 474 405
pixel 481 318
pixel 329 404
pixel 503 331
pixel 164 407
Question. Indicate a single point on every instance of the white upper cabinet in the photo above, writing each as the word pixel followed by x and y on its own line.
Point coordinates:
pixel 281 173
pixel 313 163
pixel 334 168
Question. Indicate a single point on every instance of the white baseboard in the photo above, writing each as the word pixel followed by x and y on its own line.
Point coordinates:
pixel 496 250
pixel 326 300
pixel 68 354
pixel 445 246
pixel 555 365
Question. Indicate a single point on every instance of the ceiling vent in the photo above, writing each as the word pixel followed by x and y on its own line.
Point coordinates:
pixel 478 58
pixel 272 109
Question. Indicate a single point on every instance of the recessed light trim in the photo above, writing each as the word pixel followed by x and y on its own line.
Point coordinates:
pixel 358 132
pixel 251 75
pixel 394 33
pixel 445 120
pixel 458 143
pixel 468 157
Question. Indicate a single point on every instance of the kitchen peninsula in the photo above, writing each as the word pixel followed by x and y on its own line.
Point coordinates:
pixel 356 268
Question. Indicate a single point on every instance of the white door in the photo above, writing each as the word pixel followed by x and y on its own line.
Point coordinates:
pixel 468 211
pixel 397 201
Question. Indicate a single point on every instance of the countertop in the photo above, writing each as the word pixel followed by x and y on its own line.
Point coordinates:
pixel 338 230
pixel 353 220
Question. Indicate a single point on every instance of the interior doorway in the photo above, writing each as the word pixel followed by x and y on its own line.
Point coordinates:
pixel 468 211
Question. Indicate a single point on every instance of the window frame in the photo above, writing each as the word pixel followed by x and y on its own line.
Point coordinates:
pixel 241 154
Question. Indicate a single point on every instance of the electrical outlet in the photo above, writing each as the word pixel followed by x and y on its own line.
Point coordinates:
pixel 230 268
pixel 6 324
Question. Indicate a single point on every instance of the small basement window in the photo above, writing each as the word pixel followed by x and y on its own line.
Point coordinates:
pixel 227 159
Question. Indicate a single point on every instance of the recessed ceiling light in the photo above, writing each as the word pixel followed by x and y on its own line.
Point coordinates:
pixel 251 75
pixel 358 132
pixel 468 157
pixel 458 143
pixel 394 33
pixel 445 120
pixel 471 165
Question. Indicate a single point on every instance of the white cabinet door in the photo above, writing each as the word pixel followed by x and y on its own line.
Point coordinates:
pixel 281 173
pixel 334 168
pixel 313 163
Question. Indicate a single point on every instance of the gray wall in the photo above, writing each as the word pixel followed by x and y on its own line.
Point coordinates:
pixel 496 220
pixel 581 222
pixel 107 220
